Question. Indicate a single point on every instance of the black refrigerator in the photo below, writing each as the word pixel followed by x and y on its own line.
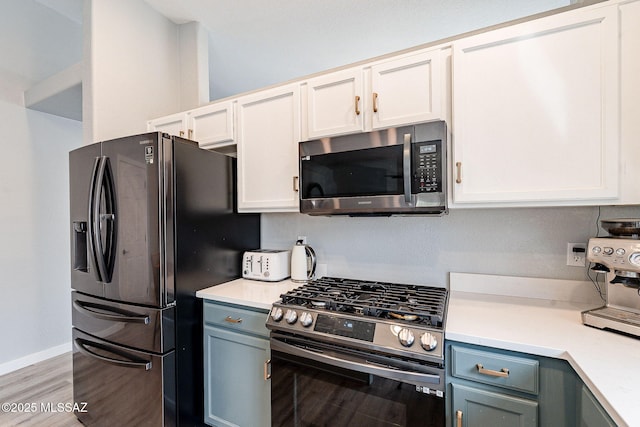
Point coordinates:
pixel 153 220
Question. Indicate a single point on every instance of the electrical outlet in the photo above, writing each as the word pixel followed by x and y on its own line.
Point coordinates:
pixel 576 254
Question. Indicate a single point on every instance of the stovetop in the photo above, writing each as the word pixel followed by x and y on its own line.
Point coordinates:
pixel 419 305
pixel 390 318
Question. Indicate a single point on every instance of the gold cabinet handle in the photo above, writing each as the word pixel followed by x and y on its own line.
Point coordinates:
pixel 458 172
pixel 503 373
pixel 375 102
pixel 190 133
pixel 295 184
pixel 357 105
pixel 181 133
pixel 232 320
pixel 458 418
pixel 267 374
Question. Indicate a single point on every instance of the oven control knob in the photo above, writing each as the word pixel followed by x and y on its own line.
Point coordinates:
pixel 428 341
pixel 276 314
pixel 305 319
pixel 607 251
pixel 291 316
pixel 405 336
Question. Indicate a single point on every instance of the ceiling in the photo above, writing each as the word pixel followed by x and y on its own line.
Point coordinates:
pixel 254 43
pixel 37 40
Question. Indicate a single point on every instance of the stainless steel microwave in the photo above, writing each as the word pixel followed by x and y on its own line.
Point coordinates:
pixel 385 172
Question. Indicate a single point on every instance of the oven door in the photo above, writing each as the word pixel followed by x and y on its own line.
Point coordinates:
pixel 318 385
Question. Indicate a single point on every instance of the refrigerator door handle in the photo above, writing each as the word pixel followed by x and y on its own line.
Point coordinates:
pixel 135 363
pixel 118 316
pixel 110 217
pixel 93 225
pixel 103 253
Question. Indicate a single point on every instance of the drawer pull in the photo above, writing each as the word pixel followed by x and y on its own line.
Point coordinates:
pixel 267 374
pixel 232 320
pixel 458 418
pixel 503 373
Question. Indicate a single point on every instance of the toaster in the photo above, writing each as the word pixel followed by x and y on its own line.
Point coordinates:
pixel 270 265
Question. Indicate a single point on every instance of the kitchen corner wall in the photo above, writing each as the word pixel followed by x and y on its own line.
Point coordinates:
pixel 35 309
pixel 530 242
pixel 131 68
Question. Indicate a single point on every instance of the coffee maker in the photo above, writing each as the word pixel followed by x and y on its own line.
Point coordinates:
pixel 618 256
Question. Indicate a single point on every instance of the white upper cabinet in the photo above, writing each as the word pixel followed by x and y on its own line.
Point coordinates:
pixel 268 135
pixel 536 112
pixel 405 89
pixel 335 103
pixel 175 124
pixel 212 125
pixel 630 100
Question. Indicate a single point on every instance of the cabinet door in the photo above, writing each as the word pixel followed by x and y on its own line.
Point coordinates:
pixel 212 125
pixel 268 135
pixel 236 391
pixel 591 413
pixel 630 100
pixel 335 103
pixel 535 111
pixel 474 407
pixel 407 90
pixel 175 124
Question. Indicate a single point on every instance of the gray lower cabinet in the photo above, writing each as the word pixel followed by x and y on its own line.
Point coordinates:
pixel 475 407
pixel 236 354
pixel 591 414
pixel 493 387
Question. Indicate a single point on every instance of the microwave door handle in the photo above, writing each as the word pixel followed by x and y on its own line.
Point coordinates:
pixel 406 166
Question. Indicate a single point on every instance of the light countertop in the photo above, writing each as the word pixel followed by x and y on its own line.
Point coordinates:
pixel 251 293
pixel 535 316
pixel 546 325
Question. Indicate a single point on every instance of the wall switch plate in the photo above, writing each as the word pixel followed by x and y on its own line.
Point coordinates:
pixel 576 254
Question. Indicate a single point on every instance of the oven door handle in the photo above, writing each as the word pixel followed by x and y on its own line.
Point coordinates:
pixel 412 377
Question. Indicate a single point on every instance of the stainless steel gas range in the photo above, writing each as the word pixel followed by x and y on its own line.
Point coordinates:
pixel 350 352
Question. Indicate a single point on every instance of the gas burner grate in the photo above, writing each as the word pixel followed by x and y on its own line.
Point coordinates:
pixel 425 305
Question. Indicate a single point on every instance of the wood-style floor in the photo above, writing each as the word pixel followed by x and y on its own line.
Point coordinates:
pixel 36 391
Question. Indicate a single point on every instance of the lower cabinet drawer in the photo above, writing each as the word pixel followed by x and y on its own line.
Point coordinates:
pixel 472 407
pixel 500 370
pixel 236 318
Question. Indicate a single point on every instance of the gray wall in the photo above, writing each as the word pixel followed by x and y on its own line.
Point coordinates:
pixel 530 242
pixel 277 41
pixel 35 308
pixel 254 43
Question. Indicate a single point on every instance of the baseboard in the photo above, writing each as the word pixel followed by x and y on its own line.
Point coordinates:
pixel 30 359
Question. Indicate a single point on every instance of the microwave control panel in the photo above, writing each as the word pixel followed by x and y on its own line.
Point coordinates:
pixel 427 167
